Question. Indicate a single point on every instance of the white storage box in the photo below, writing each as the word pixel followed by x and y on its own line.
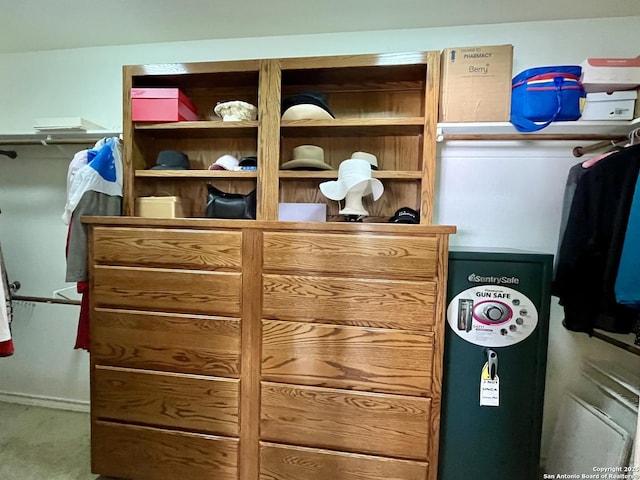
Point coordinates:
pixel 162 207
pixel 610 74
pixel 302 212
pixel 610 106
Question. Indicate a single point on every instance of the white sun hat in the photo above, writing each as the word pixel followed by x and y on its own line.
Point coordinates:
pixel 351 173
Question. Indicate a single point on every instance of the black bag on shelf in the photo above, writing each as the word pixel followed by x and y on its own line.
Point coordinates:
pixel 230 205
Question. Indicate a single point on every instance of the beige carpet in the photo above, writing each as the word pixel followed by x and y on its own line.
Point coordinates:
pixel 44 444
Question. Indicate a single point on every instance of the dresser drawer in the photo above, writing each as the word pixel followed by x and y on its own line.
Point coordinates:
pixel 283 462
pixel 189 249
pixel 388 425
pixel 167 290
pixel 390 361
pixel 143 453
pixel 373 256
pixel 350 301
pixel 188 402
pixel 172 342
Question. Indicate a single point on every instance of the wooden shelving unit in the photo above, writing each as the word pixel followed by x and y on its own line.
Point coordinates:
pixel 383 104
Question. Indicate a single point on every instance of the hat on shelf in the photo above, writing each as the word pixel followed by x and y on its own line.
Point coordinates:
pixel 369 157
pixel 235 110
pixel 249 163
pixel 306 106
pixel 171 160
pixel 226 162
pixel 351 173
pixel 405 215
pixel 307 157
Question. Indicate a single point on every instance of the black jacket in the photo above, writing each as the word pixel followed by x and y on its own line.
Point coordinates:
pixel 591 246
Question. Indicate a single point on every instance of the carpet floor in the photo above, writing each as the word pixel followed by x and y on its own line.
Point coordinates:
pixel 44 444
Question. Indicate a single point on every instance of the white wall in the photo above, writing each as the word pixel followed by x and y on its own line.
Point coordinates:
pixel 498 194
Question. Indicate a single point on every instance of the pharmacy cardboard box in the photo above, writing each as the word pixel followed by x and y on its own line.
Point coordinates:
pixel 476 84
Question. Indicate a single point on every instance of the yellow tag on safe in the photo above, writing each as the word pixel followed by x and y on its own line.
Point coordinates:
pixel 489 389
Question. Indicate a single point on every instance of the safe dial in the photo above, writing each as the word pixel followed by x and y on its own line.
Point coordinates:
pixel 492 312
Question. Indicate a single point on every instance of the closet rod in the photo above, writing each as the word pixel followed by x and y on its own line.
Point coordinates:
pixel 635 349
pixel 528 136
pixel 579 151
pixel 45 300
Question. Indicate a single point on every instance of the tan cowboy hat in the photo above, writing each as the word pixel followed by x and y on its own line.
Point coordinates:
pixel 307 157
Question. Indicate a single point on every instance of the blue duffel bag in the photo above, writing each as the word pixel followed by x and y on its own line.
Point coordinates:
pixel 543 95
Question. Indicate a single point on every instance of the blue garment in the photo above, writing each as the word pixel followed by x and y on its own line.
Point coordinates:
pixel 627 286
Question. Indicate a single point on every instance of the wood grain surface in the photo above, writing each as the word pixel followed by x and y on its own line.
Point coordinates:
pixel 268 139
pixel 142 453
pixel 169 342
pixel 389 425
pixel 197 249
pixel 251 343
pixel 369 256
pixel 388 361
pixel 364 302
pixel 189 402
pixel 168 290
pixel 284 462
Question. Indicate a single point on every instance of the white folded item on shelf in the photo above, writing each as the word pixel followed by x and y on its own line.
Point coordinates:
pixel 55 124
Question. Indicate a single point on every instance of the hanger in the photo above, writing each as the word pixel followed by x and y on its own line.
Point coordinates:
pixel 615 147
pixel 9 153
pixel 633 134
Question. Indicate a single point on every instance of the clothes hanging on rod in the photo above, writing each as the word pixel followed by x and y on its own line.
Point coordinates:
pixel 6 312
pixel 591 243
pixel 94 187
pixel 627 285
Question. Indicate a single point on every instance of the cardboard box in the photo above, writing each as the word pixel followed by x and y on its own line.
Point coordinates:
pixel 161 105
pixel 609 106
pixel 162 207
pixel 610 74
pixel 476 84
pixel 636 113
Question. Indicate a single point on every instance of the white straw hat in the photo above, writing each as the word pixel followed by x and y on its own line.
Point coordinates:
pixel 235 110
pixel 350 173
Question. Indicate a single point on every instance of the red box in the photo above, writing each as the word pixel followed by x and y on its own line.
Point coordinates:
pixel 161 105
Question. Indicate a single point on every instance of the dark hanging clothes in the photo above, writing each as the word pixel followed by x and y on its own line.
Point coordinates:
pixel 590 249
pixel 6 312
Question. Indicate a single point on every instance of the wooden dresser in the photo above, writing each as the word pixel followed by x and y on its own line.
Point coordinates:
pixel 266 350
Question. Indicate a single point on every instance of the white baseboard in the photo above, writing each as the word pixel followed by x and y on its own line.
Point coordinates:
pixel 47 402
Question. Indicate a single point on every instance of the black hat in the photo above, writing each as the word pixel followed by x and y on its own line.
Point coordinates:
pixel 307 105
pixel 405 215
pixel 249 163
pixel 171 160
